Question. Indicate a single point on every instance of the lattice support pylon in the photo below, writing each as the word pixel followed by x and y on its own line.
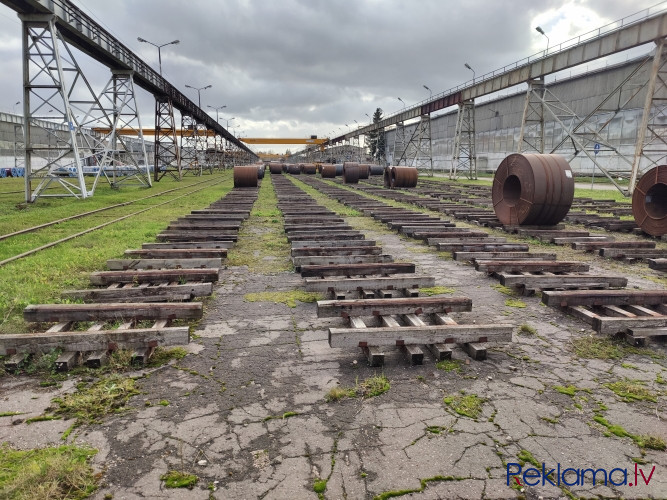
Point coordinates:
pixel 651 142
pixel 190 164
pixel 19 146
pixel 398 149
pixel 55 90
pixel 167 156
pixel 465 152
pixel 417 151
pixel 531 136
pixel 118 161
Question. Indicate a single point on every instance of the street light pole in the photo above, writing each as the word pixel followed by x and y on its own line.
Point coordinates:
pixel 473 72
pixel 401 101
pixel 232 118
pixel 198 89
pixel 541 31
pixel 159 47
pixel 218 108
pixel 430 92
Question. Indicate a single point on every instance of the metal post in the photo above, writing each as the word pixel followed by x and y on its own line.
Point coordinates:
pixel 532 122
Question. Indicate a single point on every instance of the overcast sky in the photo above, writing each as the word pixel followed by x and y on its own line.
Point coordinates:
pixel 292 68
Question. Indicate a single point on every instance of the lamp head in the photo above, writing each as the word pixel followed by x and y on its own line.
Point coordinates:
pixel 468 66
pixel 540 30
pixel 140 39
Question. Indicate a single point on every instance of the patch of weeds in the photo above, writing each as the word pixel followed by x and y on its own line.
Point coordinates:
pixel 639 460
pixel 551 420
pixel 289 298
pixel 162 355
pixel 629 366
pixel 449 365
pixel 420 378
pixel 608 348
pixel 422 487
pixel 338 393
pixel 42 363
pixel 369 388
pixel 10 413
pixel 525 456
pixel 631 390
pixel 42 418
pixel 373 386
pixel 62 472
pixel 285 415
pixel 570 390
pixel 91 402
pixel 469 405
pixel 436 290
pixel 659 379
pixel 177 479
pixel 520 304
pixel 163 402
pixel 319 486
pixel 505 289
pixel 363 475
pixel 120 360
pixel 435 429
pixel 526 329
pixel 646 441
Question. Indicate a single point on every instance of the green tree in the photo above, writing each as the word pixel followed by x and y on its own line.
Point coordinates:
pixel 376 139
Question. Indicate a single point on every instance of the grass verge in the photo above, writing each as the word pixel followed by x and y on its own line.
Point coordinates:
pixel 62 472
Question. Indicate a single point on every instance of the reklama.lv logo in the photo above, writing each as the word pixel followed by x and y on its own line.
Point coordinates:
pixel 574 477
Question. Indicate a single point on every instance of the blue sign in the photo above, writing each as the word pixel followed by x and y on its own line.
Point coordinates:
pixel 596 148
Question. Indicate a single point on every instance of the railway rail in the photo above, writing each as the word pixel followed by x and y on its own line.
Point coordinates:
pixel 137 303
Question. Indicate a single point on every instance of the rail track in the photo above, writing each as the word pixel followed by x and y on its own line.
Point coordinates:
pixel 610 309
pixel 53 243
pixel 377 299
pixel 137 302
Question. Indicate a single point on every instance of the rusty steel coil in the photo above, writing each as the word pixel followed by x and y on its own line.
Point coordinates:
pixel 649 201
pixel 350 172
pixel 387 177
pixel 364 170
pixel 339 169
pixel 377 170
pixel 532 189
pixel 308 168
pixel 328 171
pixel 260 171
pixel 275 168
pixel 293 169
pixel 245 176
pixel 403 177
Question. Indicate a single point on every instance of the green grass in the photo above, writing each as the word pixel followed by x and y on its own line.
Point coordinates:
pixel 284 416
pixel 369 388
pixel 608 348
pixel 289 298
pixel 177 479
pixel 262 244
pixel 515 303
pixel 570 390
pixel 319 485
pixel 10 413
pixel 56 473
pixel 40 278
pixel 644 441
pixel 632 390
pixel 163 355
pixel 93 401
pixel 449 365
pixel 506 290
pixel 436 290
pixel 469 405
pixel 526 329
pixel 423 483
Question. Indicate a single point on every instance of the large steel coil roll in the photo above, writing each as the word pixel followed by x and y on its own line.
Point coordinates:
pixel 403 177
pixel 339 169
pixel 260 171
pixel 245 176
pixel 275 168
pixel 350 172
pixel 532 189
pixel 387 177
pixel 294 169
pixel 308 168
pixel 364 170
pixel 649 201
pixel 377 170
pixel 328 171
